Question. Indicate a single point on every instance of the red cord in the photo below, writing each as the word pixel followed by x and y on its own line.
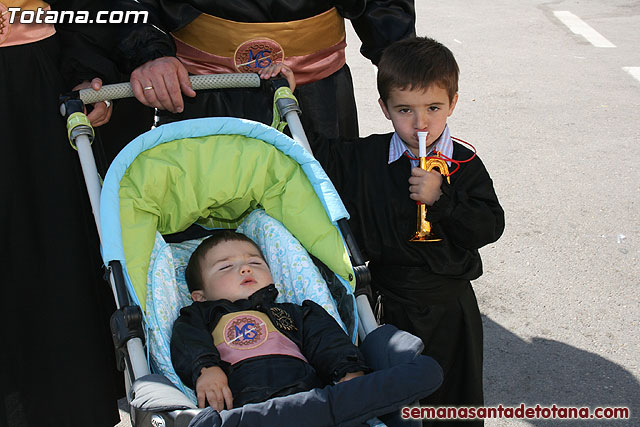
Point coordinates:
pixel 442 156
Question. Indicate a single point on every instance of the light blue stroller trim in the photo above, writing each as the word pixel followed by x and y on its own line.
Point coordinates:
pixel 112 244
pixel 112 247
pixel 295 275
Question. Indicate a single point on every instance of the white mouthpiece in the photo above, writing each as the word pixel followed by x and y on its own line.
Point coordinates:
pixel 422 143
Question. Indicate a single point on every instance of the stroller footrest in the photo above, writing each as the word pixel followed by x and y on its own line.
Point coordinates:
pixel 154 396
pixel 388 346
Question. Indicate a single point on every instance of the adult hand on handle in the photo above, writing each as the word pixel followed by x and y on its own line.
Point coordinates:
pixel 160 83
pixel 101 112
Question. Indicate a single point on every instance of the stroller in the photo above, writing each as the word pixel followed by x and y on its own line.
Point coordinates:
pixel 160 196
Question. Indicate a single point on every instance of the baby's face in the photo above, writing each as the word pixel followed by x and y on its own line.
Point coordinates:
pixel 232 270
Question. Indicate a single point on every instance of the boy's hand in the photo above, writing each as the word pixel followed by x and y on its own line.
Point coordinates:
pixel 425 186
pixel 212 387
pixel 275 69
pixel 350 376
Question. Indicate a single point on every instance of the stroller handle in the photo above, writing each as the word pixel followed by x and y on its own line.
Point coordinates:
pixel 205 81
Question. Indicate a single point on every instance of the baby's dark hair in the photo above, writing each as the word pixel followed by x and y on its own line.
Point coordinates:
pixel 417 63
pixel 193 273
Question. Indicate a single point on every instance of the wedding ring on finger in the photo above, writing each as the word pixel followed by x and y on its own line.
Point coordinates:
pixel 107 103
pixel 148 88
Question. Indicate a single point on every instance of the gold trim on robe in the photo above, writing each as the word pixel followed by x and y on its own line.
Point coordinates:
pixel 19 33
pixel 313 47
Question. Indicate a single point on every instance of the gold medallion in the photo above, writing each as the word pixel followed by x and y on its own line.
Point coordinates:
pixel 253 55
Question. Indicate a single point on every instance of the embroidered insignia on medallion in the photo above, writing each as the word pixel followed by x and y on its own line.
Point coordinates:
pixel 282 319
pixel 245 332
pixel 4 23
pixel 255 54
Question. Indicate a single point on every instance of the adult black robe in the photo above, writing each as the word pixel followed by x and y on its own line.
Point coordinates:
pixel 57 364
pixel 328 105
pixel 425 287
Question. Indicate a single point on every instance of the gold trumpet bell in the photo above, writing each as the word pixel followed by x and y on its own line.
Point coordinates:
pixel 424 232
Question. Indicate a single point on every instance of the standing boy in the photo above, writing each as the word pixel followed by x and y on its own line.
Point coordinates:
pixel 425 287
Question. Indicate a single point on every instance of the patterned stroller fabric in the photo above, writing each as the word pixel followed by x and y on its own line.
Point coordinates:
pixel 295 275
pixel 214 172
pixel 234 173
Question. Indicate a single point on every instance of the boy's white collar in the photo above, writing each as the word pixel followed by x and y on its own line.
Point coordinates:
pixel 444 144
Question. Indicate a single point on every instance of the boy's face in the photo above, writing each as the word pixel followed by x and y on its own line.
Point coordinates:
pixel 232 270
pixel 413 110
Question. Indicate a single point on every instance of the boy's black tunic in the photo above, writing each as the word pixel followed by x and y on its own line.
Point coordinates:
pixel 426 286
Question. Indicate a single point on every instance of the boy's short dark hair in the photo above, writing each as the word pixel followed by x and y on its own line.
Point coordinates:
pixel 193 273
pixel 417 63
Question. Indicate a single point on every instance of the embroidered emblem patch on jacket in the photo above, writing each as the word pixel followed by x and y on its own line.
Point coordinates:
pixel 245 331
pixel 256 54
pixel 282 319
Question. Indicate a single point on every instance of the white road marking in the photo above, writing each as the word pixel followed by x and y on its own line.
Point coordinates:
pixel 578 26
pixel 634 71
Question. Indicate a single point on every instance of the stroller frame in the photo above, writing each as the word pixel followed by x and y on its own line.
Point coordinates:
pixel 127 322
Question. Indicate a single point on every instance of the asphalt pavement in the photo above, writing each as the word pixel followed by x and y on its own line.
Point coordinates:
pixel 556 121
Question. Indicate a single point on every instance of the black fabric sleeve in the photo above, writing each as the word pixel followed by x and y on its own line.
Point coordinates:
pixel 336 157
pixel 382 23
pixel 343 163
pixel 86 48
pixel 143 42
pixel 469 210
pixel 192 346
pixel 327 347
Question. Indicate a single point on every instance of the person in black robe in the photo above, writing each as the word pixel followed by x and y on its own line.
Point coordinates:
pixel 325 96
pixel 57 364
pixel 425 287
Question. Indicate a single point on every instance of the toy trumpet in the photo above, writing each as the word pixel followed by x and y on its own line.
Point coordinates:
pixel 423 227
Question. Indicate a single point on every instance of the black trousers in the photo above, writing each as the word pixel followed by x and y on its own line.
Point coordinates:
pixel 54 305
pixel 452 334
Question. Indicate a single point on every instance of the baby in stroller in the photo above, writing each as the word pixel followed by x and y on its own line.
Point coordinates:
pixel 238 346
pixel 229 173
